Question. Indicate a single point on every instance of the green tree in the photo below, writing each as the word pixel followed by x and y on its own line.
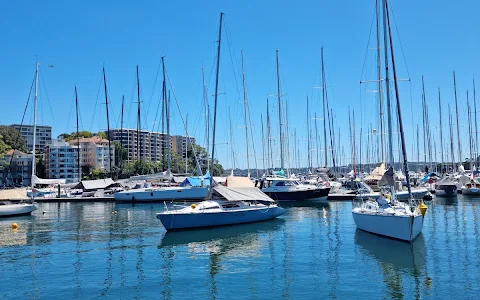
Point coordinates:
pixel 101 134
pixel 40 167
pixel 81 134
pixel 10 137
pixel 121 154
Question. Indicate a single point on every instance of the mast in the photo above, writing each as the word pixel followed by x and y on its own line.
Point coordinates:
pixel 263 144
pixel 121 121
pixel 387 85
pixel 169 145
pixel 332 136
pixel 108 123
pixel 34 126
pixel 441 128
pixel 476 130
pixel 452 152
pixel 139 158
pixel 231 141
pixel 399 111
pixel 269 141
pixel 245 113
pixel 216 93
pixel 418 146
pixel 308 139
pixel 350 129
pixel 424 123
pixel 78 138
pixel 164 112
pixel 354 148
pixel 280 112
pixel 379 79
pixel 186 144
pixel 317 146
pixel 324 87
pixel 469 130
pixel 207 117
pixel 456 112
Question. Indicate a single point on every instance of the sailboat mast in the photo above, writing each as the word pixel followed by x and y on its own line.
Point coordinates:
pixel 164 99
pixel 379 79
pixel 458 125
pixel 324 87
pixel 269 140
pixel 350 129
pixel 216 93
pixel 263 144
pixel 245 112
pixel 169 146
pixel 476 130
pixel 207 117
pixel 399 111
pixel 308 139
pixel 387 85
pixel 186 144
pixel 121 121
pixel 469 130
pixel 108 123
pixel 317 146
pixel 280 112
pixel 441 127
pixel 418 145
pixel 452 152
pixel 78 138
pixel 34 125
pixel 139 158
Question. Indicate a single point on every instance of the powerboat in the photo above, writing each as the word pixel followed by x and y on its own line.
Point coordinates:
pixel 225 206
pixel 446 187
pixel 287 189
pixel 9 209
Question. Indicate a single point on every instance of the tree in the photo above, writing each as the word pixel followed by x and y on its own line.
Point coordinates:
pixel 121 154
pixel 10 137
pixel 40 167
pixel 81 134
pixel 101 134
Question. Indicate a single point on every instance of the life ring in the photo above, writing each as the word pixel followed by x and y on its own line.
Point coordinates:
pixel 327 184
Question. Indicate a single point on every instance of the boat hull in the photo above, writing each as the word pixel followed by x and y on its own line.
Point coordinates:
pixel 165 194
pixel 10 210
pixel 312 194
pixel 403 228
pixel 470 191
pixel 180 221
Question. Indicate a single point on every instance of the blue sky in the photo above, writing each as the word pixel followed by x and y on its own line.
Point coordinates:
pixel 78 38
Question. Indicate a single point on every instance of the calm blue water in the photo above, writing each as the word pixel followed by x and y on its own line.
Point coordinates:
pixel 83 250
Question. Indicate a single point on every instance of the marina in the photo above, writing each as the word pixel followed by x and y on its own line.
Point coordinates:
pixel 108 250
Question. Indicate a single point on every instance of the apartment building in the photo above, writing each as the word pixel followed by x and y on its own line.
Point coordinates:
pixel 43 138
pixel 16 169
pixel 61 161
pixel 94 153
pixel 180 144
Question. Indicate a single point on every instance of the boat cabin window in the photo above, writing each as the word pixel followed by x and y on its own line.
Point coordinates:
pixel 230 205
pixel 280 183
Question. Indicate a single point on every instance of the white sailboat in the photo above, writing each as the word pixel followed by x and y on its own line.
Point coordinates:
pixel 7 208
pixel 382 217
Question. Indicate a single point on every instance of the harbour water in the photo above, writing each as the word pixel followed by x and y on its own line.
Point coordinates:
pixel 85 250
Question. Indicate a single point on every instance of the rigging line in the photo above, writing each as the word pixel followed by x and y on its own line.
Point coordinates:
pixel 232 61
pixel 23 118
pixel 183 121
pixel 48 99
pixel 368 43
pixel 153 90
pixel 96 101
pixel 399 40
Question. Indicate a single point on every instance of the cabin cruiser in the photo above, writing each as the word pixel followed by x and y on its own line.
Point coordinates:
pixel 446 187
pixel 287 189
pixel 225 206
pixel 374 177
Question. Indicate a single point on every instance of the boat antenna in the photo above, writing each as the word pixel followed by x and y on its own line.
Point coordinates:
pixel 216 93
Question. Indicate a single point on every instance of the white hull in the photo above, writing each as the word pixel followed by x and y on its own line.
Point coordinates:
pixel 404 228
pixel 8 210
pixel 470 191
pixel 162 194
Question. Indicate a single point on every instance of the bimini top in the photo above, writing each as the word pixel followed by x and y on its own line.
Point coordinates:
pixel 240 194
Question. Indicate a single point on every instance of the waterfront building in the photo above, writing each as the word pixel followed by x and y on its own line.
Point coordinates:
pixel 94 153
pixel 43 138
pixel 151 143
pixel 61 161
pixel 17 169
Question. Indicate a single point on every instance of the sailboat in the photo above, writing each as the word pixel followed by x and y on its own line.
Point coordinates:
pixel 223 205
pixel 391 219
pixel 193 188
pixel 7 208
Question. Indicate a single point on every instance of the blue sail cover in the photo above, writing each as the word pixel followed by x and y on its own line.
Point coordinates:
pixel 197 180
pixel 279 173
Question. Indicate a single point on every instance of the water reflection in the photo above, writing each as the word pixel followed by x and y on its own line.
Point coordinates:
pixel 396 259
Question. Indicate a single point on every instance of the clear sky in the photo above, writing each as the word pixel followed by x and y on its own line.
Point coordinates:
pixel 78 38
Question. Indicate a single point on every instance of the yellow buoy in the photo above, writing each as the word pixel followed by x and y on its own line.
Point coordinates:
pixel 193 206
pixel 423 208
pixel 388 196
pixel 14 225
pixel 115 212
